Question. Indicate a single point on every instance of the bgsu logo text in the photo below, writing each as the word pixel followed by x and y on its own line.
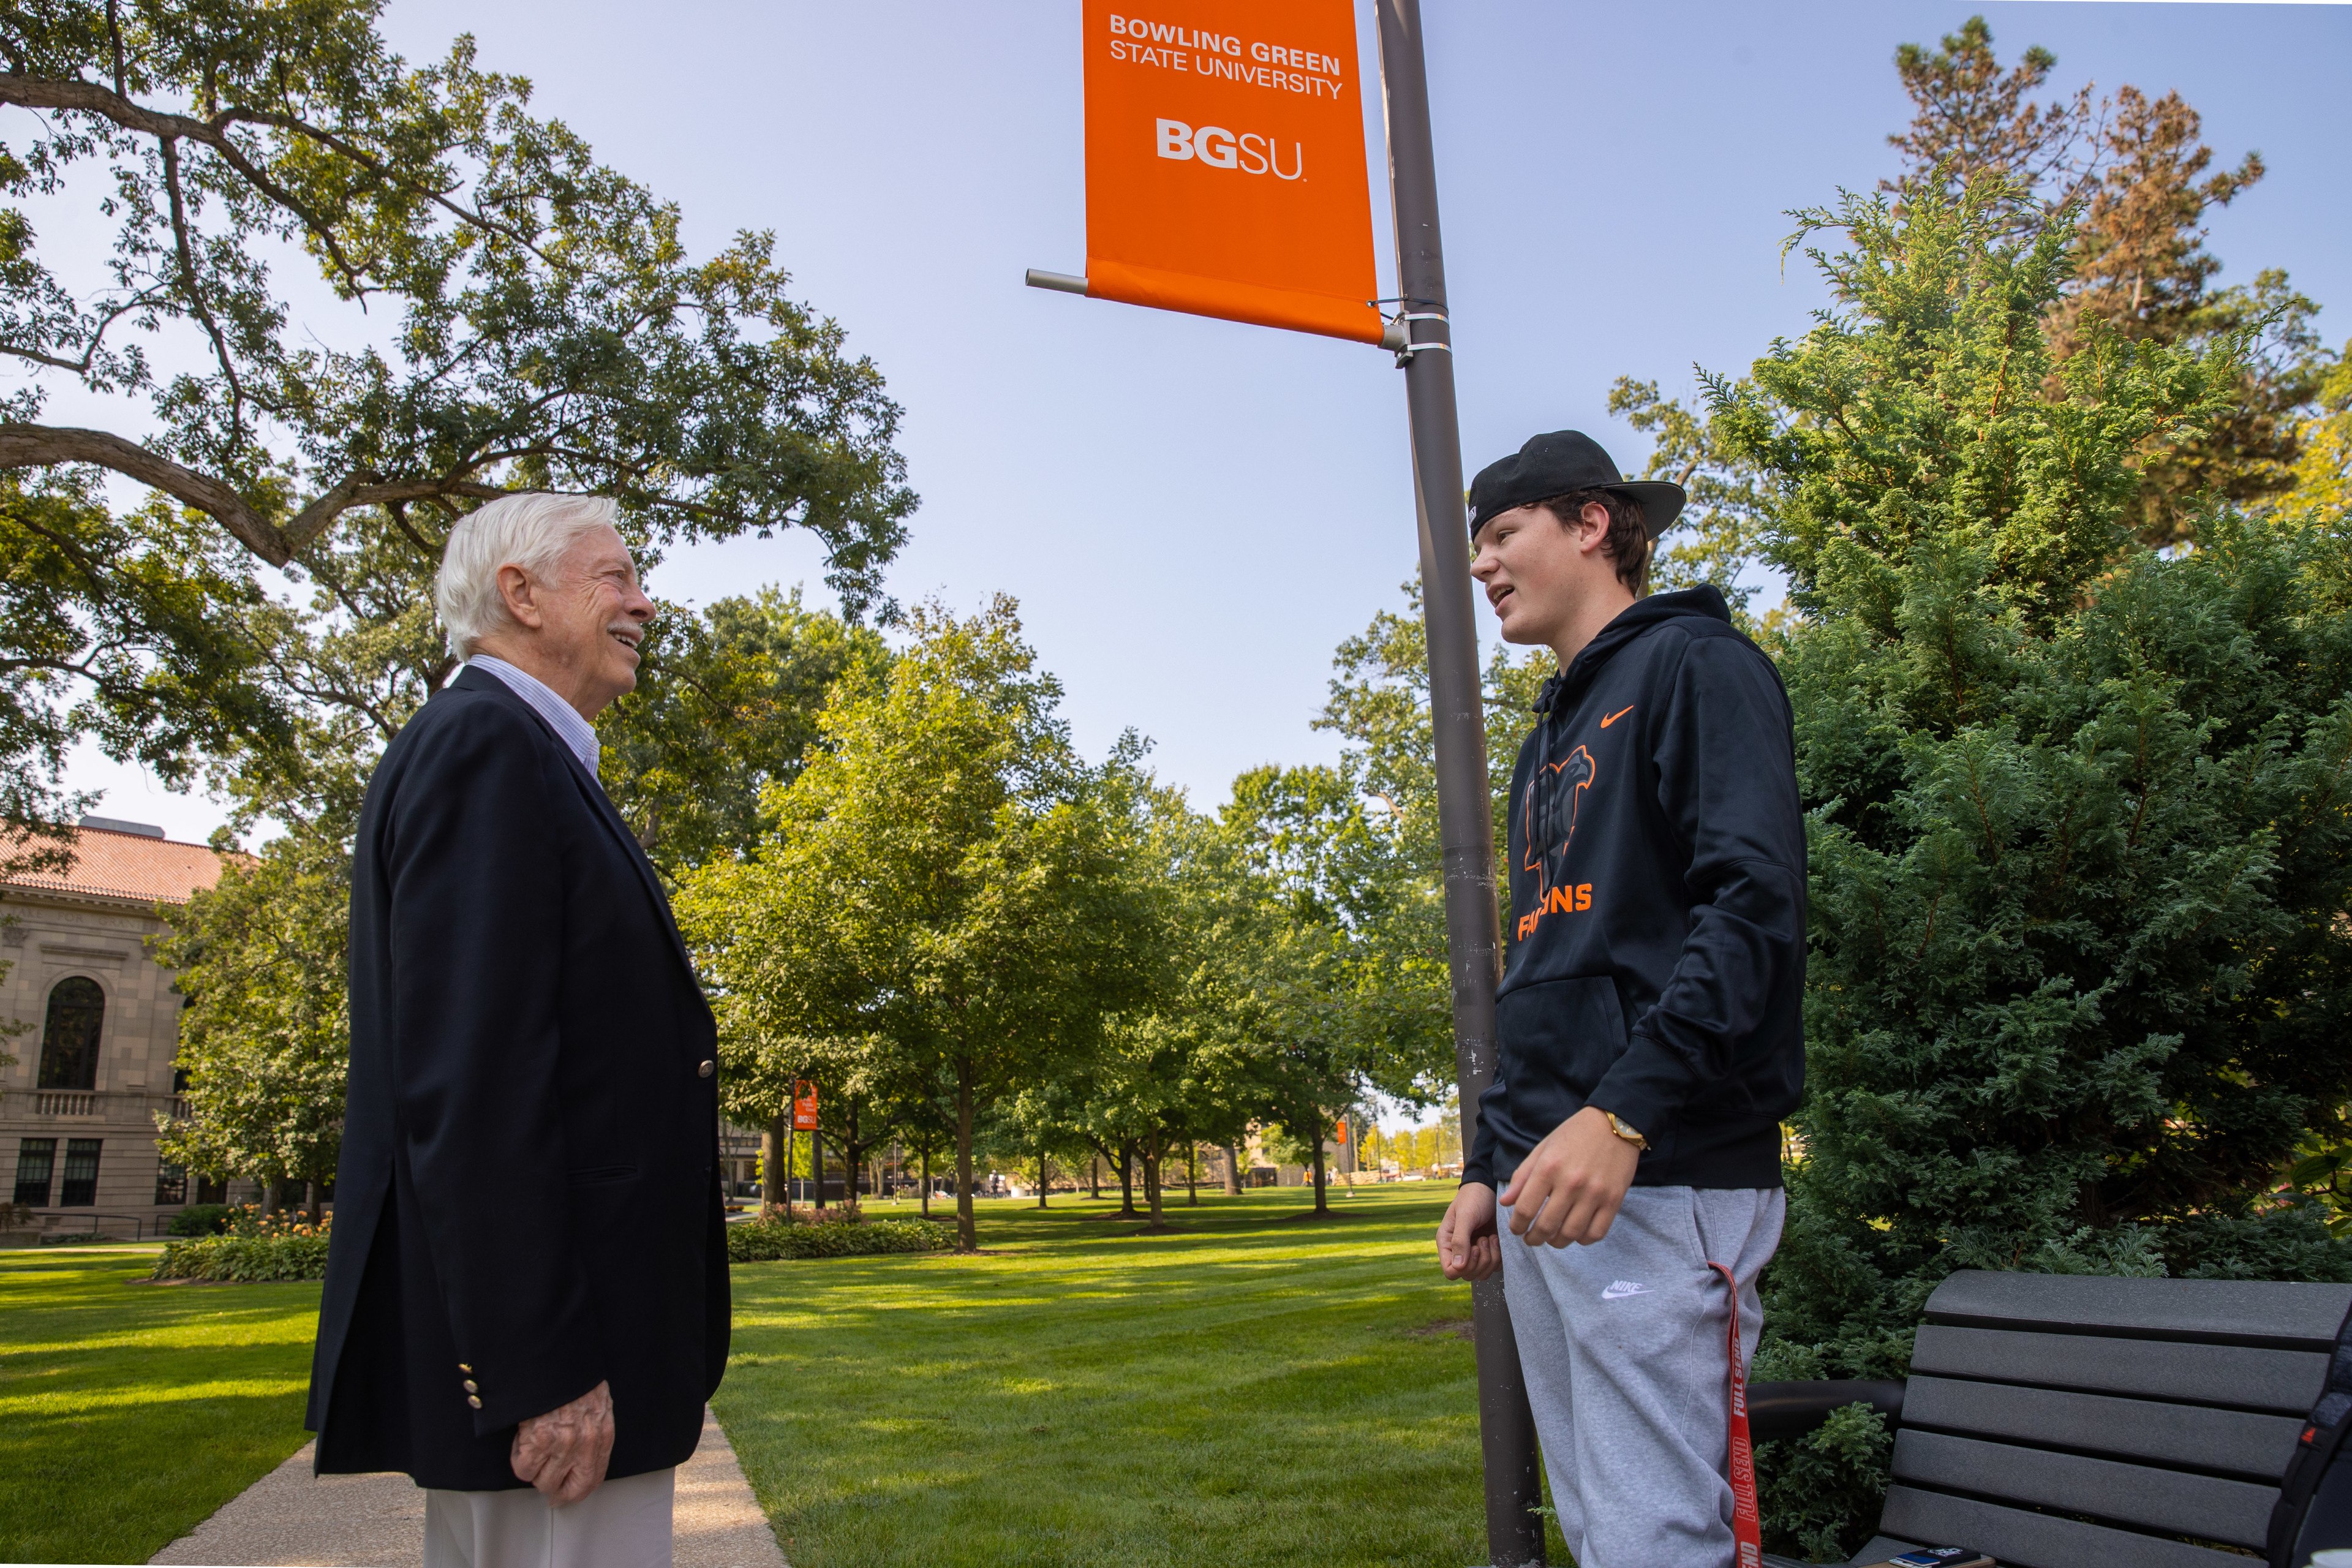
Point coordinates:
pixel 1220 149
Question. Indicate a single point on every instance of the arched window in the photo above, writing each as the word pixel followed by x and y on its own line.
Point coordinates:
pixel 70 1034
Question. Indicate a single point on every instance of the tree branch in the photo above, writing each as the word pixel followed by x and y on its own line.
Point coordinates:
pixel 90 98
pixel 35 92
pixel 314 520
pixel 38 446
pixel 187 254
pixel 143 299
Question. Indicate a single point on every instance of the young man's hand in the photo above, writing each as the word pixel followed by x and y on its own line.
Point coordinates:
pixel 1467 1247
pixel 1569 1189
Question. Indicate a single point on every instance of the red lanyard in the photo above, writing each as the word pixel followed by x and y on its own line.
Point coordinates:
pixel 1745 1528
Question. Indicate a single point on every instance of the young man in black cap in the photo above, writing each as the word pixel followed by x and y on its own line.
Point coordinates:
pixel 1647 1023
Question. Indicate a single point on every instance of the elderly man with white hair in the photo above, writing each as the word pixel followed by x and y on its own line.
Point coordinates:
pixel 526 1301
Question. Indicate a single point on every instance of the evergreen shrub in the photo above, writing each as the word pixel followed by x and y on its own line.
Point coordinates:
pixel 201 1219
pixel 2080 814
pixel 767 1240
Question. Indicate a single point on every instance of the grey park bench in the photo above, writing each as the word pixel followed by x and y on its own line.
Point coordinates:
pixel 2073 1421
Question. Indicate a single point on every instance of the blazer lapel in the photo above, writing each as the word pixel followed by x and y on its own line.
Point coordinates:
pixel 601 805
pixel 610 815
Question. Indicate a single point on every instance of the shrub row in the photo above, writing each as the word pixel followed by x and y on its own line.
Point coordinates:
pixel 243 1259
pixel 202 1219
pixel 243 1219
pixel 763 1240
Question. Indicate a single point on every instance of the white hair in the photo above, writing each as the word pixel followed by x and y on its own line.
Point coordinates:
pixel 532 531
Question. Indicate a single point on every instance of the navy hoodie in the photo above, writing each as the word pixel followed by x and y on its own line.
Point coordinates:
pixel 1655 953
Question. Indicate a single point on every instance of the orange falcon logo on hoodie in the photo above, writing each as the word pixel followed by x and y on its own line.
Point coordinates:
pixel 1554 796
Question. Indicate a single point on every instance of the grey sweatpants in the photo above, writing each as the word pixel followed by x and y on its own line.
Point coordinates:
pixel 1623 1347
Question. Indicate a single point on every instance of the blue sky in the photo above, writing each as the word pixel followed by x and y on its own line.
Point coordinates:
pixel 1194 513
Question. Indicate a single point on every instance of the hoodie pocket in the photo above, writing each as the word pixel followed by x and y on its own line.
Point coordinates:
pixel 1556 1039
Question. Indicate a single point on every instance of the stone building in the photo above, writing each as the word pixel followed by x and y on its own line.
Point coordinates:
pixel 100 1027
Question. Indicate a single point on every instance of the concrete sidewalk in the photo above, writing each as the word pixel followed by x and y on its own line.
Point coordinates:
pixel 290 1517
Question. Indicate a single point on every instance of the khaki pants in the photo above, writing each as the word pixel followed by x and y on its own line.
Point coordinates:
pixel 620 1524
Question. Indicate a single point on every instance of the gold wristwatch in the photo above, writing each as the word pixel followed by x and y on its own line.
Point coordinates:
pixel 1618 1125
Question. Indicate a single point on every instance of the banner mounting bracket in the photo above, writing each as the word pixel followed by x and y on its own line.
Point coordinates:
pixel 1398 334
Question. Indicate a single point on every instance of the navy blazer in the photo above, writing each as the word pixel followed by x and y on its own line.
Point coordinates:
pixel 528 1203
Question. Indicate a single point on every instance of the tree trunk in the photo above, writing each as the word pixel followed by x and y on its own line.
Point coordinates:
pixel 1041 1178
pixel 792 1162
pixel 315 1191
pixel 927 1181
pixel 1232 1169
pixel 1321 1204
pixel 967 1233
pixel 1094 1176
pixel 1126 1179
pixel 268 1196
pixel 1151 1151
pixel 776 1161
pixel 1191 1175
pixel 816 1164
pixel 849 1162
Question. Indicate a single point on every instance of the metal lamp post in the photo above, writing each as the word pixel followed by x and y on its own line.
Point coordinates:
pixel 1465 829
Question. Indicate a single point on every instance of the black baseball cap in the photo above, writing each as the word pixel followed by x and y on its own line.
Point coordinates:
pixel 1556 463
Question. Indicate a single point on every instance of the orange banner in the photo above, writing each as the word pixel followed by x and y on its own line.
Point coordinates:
pixel 804 1108
pixel 1226 163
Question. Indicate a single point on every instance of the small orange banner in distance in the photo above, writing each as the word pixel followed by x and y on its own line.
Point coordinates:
pixel 804 1108
pixel 1226 163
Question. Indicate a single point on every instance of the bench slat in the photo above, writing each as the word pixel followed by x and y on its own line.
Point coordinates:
pixel 2285 1315
pixel 2238 1512
pixel 2021 1539
pixel 2287 1382
pixel 2237 1440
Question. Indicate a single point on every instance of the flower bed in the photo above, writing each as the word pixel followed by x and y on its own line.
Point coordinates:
pixel 765 1240
pixel 257 1247
pixel 244 1259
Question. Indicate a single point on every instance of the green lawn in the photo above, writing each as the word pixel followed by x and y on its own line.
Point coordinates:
pixel 130 1412
pixel 1248 1389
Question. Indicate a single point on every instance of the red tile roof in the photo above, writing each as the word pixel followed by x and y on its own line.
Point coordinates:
pixel 125 866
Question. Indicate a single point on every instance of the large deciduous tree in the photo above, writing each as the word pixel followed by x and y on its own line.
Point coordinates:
pixel 265 1038
pixel 1364 835
pixel 1190 1065
pixel 144 631
pixel 726 706
pixel 945 880
pixel 348 298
